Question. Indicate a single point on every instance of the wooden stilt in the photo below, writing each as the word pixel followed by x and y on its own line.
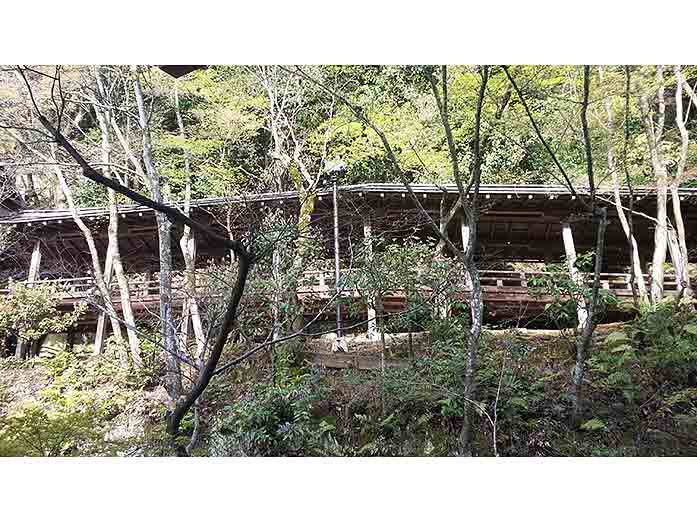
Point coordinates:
pixel 35 264
pixel 23 346
pixel 465 235
pixel 570 250
pixel 371 312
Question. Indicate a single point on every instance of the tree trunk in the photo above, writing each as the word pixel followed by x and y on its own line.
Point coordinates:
pixel 599 214
pixel 584 341
pixel 173 382
pixel 654 135
pixel 634 262
pixel 660 240
pixel 33 274
pixel 472 346
pixel 114 250
pixel 682 275
pixel 307 208
pixel 100 333
pixel 187 244
pixel 371 311
pixel 99 279
pixel 471 225
pixel 468 231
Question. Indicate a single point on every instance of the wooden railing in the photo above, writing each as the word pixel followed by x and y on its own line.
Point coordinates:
pixel 322 283
pixel 502 281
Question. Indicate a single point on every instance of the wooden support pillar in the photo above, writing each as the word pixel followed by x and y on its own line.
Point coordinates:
pixel 340 345
pixel 372 314
pixel 570 250
pixel 35 264
pixel 33 275
pixel 465 236
pixel 464 232
pixel 440 247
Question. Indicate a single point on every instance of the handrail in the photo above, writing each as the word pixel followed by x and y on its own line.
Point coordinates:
pixel 323 281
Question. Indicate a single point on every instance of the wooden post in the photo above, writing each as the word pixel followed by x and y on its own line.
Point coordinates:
pixel 340 342
pixel 464 232
pixel 570 249
pixel 372 314
pixel 465 235
pixel 33 275
pixel 148 279
pixel 440 247
pixel 35 264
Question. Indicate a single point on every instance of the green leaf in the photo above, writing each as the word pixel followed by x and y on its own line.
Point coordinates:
pixel 622 348
pixel 617 337
pixel 690 328
pixel 517 401
pixel 594 424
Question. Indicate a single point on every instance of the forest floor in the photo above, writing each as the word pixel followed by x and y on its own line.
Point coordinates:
pixel 532 410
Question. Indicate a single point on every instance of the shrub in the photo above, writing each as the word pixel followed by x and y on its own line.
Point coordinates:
pixel 67 429
pixel 275 420
pixel 32 311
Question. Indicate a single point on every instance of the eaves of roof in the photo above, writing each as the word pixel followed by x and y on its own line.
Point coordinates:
pixel 54 215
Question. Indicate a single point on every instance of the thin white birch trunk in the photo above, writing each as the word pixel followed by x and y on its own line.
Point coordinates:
pixel 99 279
pixel 23 345
pixel 635 262
pixel 187 244
pixel 173 380
pixel 114 257
pixel 654 134
pixel 682 272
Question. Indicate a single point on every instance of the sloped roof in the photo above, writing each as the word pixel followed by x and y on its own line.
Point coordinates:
pixel 508 191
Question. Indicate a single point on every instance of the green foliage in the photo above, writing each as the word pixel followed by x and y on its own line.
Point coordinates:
pixel 33 311
pixel 220 108
pixel 666 339
pixel 275 420
pixel 661 342
pixel 66 429
pixel 81 370
pixel 594 424
pixel 651 366
pixel 72 416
